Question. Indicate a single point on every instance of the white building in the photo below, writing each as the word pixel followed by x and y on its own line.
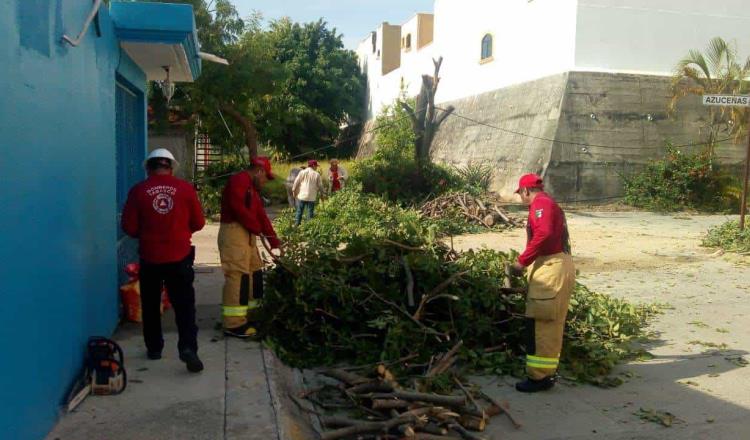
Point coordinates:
pixel 532 39
pixel 574 89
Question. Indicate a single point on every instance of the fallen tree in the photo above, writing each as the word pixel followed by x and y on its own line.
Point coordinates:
pixel 370 282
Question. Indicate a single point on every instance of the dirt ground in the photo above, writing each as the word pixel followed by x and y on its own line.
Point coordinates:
pixel 698 372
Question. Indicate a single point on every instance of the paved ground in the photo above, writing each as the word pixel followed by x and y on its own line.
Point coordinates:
pixel 639 256
pixel 230 400
pixel 694 375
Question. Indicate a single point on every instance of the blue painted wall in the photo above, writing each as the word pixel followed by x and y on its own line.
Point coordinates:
pixel 58 225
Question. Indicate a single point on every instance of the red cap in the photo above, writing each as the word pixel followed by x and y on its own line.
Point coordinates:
pixel 312 163
pixel 530 181
pixel 265 163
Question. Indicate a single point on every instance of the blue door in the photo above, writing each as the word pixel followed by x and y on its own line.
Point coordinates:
pixel 130 155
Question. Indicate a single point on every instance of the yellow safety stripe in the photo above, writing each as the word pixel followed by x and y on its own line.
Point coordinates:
pixel 234 311
pixel 254 304
pixel 542 362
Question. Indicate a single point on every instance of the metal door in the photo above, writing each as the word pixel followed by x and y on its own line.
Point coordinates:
pixel 129 126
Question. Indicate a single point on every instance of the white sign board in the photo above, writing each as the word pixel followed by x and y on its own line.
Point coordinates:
pixel 727 100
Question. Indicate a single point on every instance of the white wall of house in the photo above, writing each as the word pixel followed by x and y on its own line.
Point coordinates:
pixel 537 38
pixel 650 36
pixel 530 40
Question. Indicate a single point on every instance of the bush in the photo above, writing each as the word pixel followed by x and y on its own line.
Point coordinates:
pixel 682 181
pixel 213 181
pixel 392 171
pixel 729 237
pixel 476 177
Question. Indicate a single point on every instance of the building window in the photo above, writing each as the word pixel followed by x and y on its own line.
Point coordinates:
pixel 407 42
pixel 487 48
pixel 374 40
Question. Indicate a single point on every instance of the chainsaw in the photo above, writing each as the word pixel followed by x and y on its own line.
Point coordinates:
pixel 104 373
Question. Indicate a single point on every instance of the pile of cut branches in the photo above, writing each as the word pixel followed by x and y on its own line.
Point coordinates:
pixel 367 281
pixel 485 210
pixel 392 409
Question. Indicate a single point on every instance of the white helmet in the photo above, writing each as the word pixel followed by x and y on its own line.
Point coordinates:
pixel 161 153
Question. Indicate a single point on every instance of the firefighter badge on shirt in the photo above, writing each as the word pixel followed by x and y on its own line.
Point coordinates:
pixel 163 202
pixel 538 213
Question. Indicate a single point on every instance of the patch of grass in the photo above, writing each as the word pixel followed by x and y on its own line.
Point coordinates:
pixel 728 237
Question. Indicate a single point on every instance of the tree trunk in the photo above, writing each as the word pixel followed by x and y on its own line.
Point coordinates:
pixel 425 122
pixel 248 128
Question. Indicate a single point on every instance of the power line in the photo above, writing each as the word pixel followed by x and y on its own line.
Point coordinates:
pixel 580 144
pixel 351 138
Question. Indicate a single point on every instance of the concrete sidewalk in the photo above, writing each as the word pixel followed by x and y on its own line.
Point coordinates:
pixel 229 400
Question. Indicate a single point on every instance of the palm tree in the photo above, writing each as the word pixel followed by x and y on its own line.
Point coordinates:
pixel 717 71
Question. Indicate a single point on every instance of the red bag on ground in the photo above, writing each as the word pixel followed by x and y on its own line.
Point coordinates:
pixel 131 294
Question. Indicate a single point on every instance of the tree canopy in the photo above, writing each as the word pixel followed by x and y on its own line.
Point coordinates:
pixel 291 86
pixel 717 70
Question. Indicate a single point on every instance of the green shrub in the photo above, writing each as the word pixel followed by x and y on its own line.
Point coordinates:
pixel 211 184
pixel 392 170
pixel 476 177
pixel 729 237
pixel 681 181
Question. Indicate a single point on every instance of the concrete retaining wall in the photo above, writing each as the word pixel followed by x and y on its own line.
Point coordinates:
pixel 581 130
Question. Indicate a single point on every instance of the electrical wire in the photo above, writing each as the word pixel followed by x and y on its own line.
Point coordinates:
pixel 307 153
pixel 579 144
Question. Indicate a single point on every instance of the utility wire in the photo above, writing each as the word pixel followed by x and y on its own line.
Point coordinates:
pixel 307 153
pixel 580 144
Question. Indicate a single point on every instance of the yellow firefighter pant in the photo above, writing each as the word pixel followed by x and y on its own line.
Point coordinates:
pixel 551 283
pixel 239 259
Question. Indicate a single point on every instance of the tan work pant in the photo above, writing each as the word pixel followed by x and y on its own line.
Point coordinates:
pixel 239 259
pixel 551 283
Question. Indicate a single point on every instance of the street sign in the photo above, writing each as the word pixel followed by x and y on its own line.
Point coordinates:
pixel 727 100
pixel 736 101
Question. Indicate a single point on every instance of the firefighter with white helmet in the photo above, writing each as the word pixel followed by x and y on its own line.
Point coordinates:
pixel 163 212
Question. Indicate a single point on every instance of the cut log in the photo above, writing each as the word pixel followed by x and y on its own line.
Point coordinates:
pixel 376 386
pixel 387 404
pixel 445 362
pixel 436 399
pixel 346 377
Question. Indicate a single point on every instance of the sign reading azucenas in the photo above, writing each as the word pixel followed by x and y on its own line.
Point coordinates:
pixel 727 100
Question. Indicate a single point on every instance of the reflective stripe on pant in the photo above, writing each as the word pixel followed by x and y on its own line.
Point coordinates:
pixel 239 259
pixel 551 283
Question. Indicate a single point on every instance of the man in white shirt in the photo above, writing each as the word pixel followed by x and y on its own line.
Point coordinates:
pixel 306 188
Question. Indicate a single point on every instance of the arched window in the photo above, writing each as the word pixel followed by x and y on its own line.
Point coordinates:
pixel 407 44
pixel 487 47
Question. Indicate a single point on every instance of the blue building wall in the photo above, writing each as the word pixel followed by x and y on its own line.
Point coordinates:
pixel 58 225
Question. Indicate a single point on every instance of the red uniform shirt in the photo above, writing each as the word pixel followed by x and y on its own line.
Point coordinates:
pixel 162 212
pixel 241 203
pixel 547 230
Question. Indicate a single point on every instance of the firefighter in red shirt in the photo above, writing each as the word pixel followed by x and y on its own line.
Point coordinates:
pixel 163 212
pixel 551 276
pixel 243 222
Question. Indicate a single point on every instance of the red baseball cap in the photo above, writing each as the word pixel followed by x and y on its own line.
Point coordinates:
pixel 312 163
pixel 265 163
pixel 530 181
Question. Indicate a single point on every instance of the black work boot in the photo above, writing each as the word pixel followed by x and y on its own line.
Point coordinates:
pixel 533 386
pixel 243 332
pixel 191 359
pixel 153 355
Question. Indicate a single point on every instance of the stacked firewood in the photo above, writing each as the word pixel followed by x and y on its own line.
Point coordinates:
pixel 484 211
pixel 392 411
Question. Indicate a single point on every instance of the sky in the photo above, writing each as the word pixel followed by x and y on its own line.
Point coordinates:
pixel 352 18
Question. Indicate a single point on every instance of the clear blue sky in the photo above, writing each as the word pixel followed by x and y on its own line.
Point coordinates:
pixel 353 18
